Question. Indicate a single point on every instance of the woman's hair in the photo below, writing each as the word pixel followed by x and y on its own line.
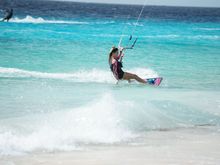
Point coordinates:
pixel 113 50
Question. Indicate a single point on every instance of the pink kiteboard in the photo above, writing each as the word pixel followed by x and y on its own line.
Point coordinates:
pixel 154 81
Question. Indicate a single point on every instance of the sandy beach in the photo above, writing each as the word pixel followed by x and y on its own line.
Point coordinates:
pixel 186 146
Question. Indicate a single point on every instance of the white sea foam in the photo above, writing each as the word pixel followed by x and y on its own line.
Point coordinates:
pixel 208 29
pixel 97 122
pixel 105 120
pixel 104 22
pixel 173 36
pixel 168 36
pixel 161 36
pixel 134 24
pixel 39 20
pixel 208 37
pixel 143 72
pixel 93 75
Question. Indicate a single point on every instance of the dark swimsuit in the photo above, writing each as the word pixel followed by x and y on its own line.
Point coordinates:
pixel 116 70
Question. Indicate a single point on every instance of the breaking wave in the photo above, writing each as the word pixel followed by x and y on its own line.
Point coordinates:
pixel 93 75
pixel 39 20
pixel 102 121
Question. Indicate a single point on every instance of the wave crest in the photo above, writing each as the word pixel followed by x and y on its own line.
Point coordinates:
pixel 39 20
pixel 93 75
pixel 98 122
pixel 208 29
pixel 104 120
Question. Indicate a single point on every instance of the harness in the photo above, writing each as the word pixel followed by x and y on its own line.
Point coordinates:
pixel 116 70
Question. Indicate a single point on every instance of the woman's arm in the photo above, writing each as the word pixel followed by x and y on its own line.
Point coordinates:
pixel 121 55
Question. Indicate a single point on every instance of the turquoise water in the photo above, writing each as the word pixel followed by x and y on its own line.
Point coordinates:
pixel 175 50
pixel 57 92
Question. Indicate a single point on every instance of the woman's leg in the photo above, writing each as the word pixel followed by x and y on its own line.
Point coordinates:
pixel 129 76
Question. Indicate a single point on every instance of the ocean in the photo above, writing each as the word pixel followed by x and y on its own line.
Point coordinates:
pixel 57 93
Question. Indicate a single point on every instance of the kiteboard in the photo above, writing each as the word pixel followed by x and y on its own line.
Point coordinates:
pixel 154 81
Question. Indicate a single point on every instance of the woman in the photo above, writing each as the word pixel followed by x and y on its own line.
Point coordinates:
pixel 115 62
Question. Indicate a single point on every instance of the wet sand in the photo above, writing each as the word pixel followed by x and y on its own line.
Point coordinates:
pixel 187 146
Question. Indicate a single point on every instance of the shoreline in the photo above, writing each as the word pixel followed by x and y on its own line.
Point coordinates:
pixel 187 146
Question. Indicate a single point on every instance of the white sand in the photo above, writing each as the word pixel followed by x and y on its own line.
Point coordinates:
pixel 189 146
